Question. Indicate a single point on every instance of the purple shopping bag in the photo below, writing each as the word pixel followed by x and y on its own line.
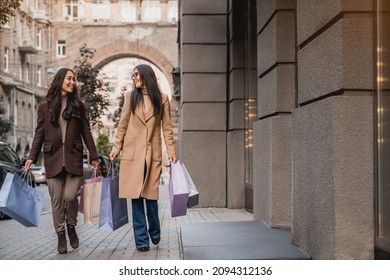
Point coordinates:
pixel 113 210
pixel 178 190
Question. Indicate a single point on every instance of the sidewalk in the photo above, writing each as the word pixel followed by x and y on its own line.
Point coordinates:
pixel 204 233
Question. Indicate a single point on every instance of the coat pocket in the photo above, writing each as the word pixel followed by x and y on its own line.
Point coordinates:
pixel 47 148
pixel 128 148
pixel 156 149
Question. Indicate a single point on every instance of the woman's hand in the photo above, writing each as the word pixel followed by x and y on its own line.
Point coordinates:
pixel 113 156
pixel 172 159
pixel 96 164
pixel 27 164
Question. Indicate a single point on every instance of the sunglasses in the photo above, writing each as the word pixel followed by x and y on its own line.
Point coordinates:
pixel 134 75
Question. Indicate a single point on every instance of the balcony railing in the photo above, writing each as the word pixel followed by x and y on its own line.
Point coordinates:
pixel 27 48
pixel 40 15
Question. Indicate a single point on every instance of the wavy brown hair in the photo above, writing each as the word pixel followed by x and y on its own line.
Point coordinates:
pixel 53 98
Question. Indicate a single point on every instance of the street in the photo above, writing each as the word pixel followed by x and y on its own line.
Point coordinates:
pixel 18 242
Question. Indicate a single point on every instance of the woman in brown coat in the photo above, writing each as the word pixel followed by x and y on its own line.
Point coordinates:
pixel 62 125
pixel 145 114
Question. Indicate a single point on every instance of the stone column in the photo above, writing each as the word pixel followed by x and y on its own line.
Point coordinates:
pixel 276 100
pixel 203 65
pixel 333 130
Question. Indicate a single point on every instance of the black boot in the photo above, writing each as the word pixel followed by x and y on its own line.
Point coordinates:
pixel 156 240
pixel 73 238
pixel 62 245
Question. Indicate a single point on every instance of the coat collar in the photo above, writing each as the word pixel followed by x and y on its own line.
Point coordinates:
pixel 139 111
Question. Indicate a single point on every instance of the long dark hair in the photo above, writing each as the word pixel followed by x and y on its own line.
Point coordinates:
pixel 53 98
pixel 148 77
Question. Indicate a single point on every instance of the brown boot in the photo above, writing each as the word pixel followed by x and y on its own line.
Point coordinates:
pixel 73 238
pixel 62 246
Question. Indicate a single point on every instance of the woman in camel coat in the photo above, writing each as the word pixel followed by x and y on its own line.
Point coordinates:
pixel 145 114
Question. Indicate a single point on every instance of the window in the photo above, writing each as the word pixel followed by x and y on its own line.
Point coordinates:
pixel 71 7
pixel 23 116
pixel 151 11
pixel 61 48
pixel 22 31
pixel 248 21
pixel 20 68
pixel 16 117
pixel 30 116
pixel 39 38
pixel 101 11
pixel 382 235
pixel 6 60
pixel 27 38
pixel 39 76
pixel 27 73
pixel 128 12
pixel 172 12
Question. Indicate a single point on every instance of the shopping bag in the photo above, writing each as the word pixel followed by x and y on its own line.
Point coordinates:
pixel 80 193
pixel 20 201
pixel 193 196
pixel 91 196
pixel 178 190
pixel 113 210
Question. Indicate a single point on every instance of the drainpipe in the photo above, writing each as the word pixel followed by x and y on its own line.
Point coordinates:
pixel 15 117
pixel 34 66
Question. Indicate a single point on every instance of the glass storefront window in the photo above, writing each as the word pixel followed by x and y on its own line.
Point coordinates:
pixel 250 96
pixel 383 126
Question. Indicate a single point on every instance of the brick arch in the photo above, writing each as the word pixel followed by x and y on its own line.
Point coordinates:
pixel 123 49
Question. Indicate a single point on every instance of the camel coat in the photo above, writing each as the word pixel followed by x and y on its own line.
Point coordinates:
pixel 138 137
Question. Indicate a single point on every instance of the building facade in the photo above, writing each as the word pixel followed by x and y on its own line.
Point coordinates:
pixel 283 111
pixel 48 34
pixel 23 52
pixel 283 103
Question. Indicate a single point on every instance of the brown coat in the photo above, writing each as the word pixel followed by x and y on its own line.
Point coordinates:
pixel 55 153
pixel 139 139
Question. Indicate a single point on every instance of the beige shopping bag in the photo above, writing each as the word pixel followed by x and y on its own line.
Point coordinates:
pixel 91 196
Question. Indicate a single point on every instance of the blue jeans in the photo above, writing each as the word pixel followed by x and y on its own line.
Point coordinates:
pixel 139 221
